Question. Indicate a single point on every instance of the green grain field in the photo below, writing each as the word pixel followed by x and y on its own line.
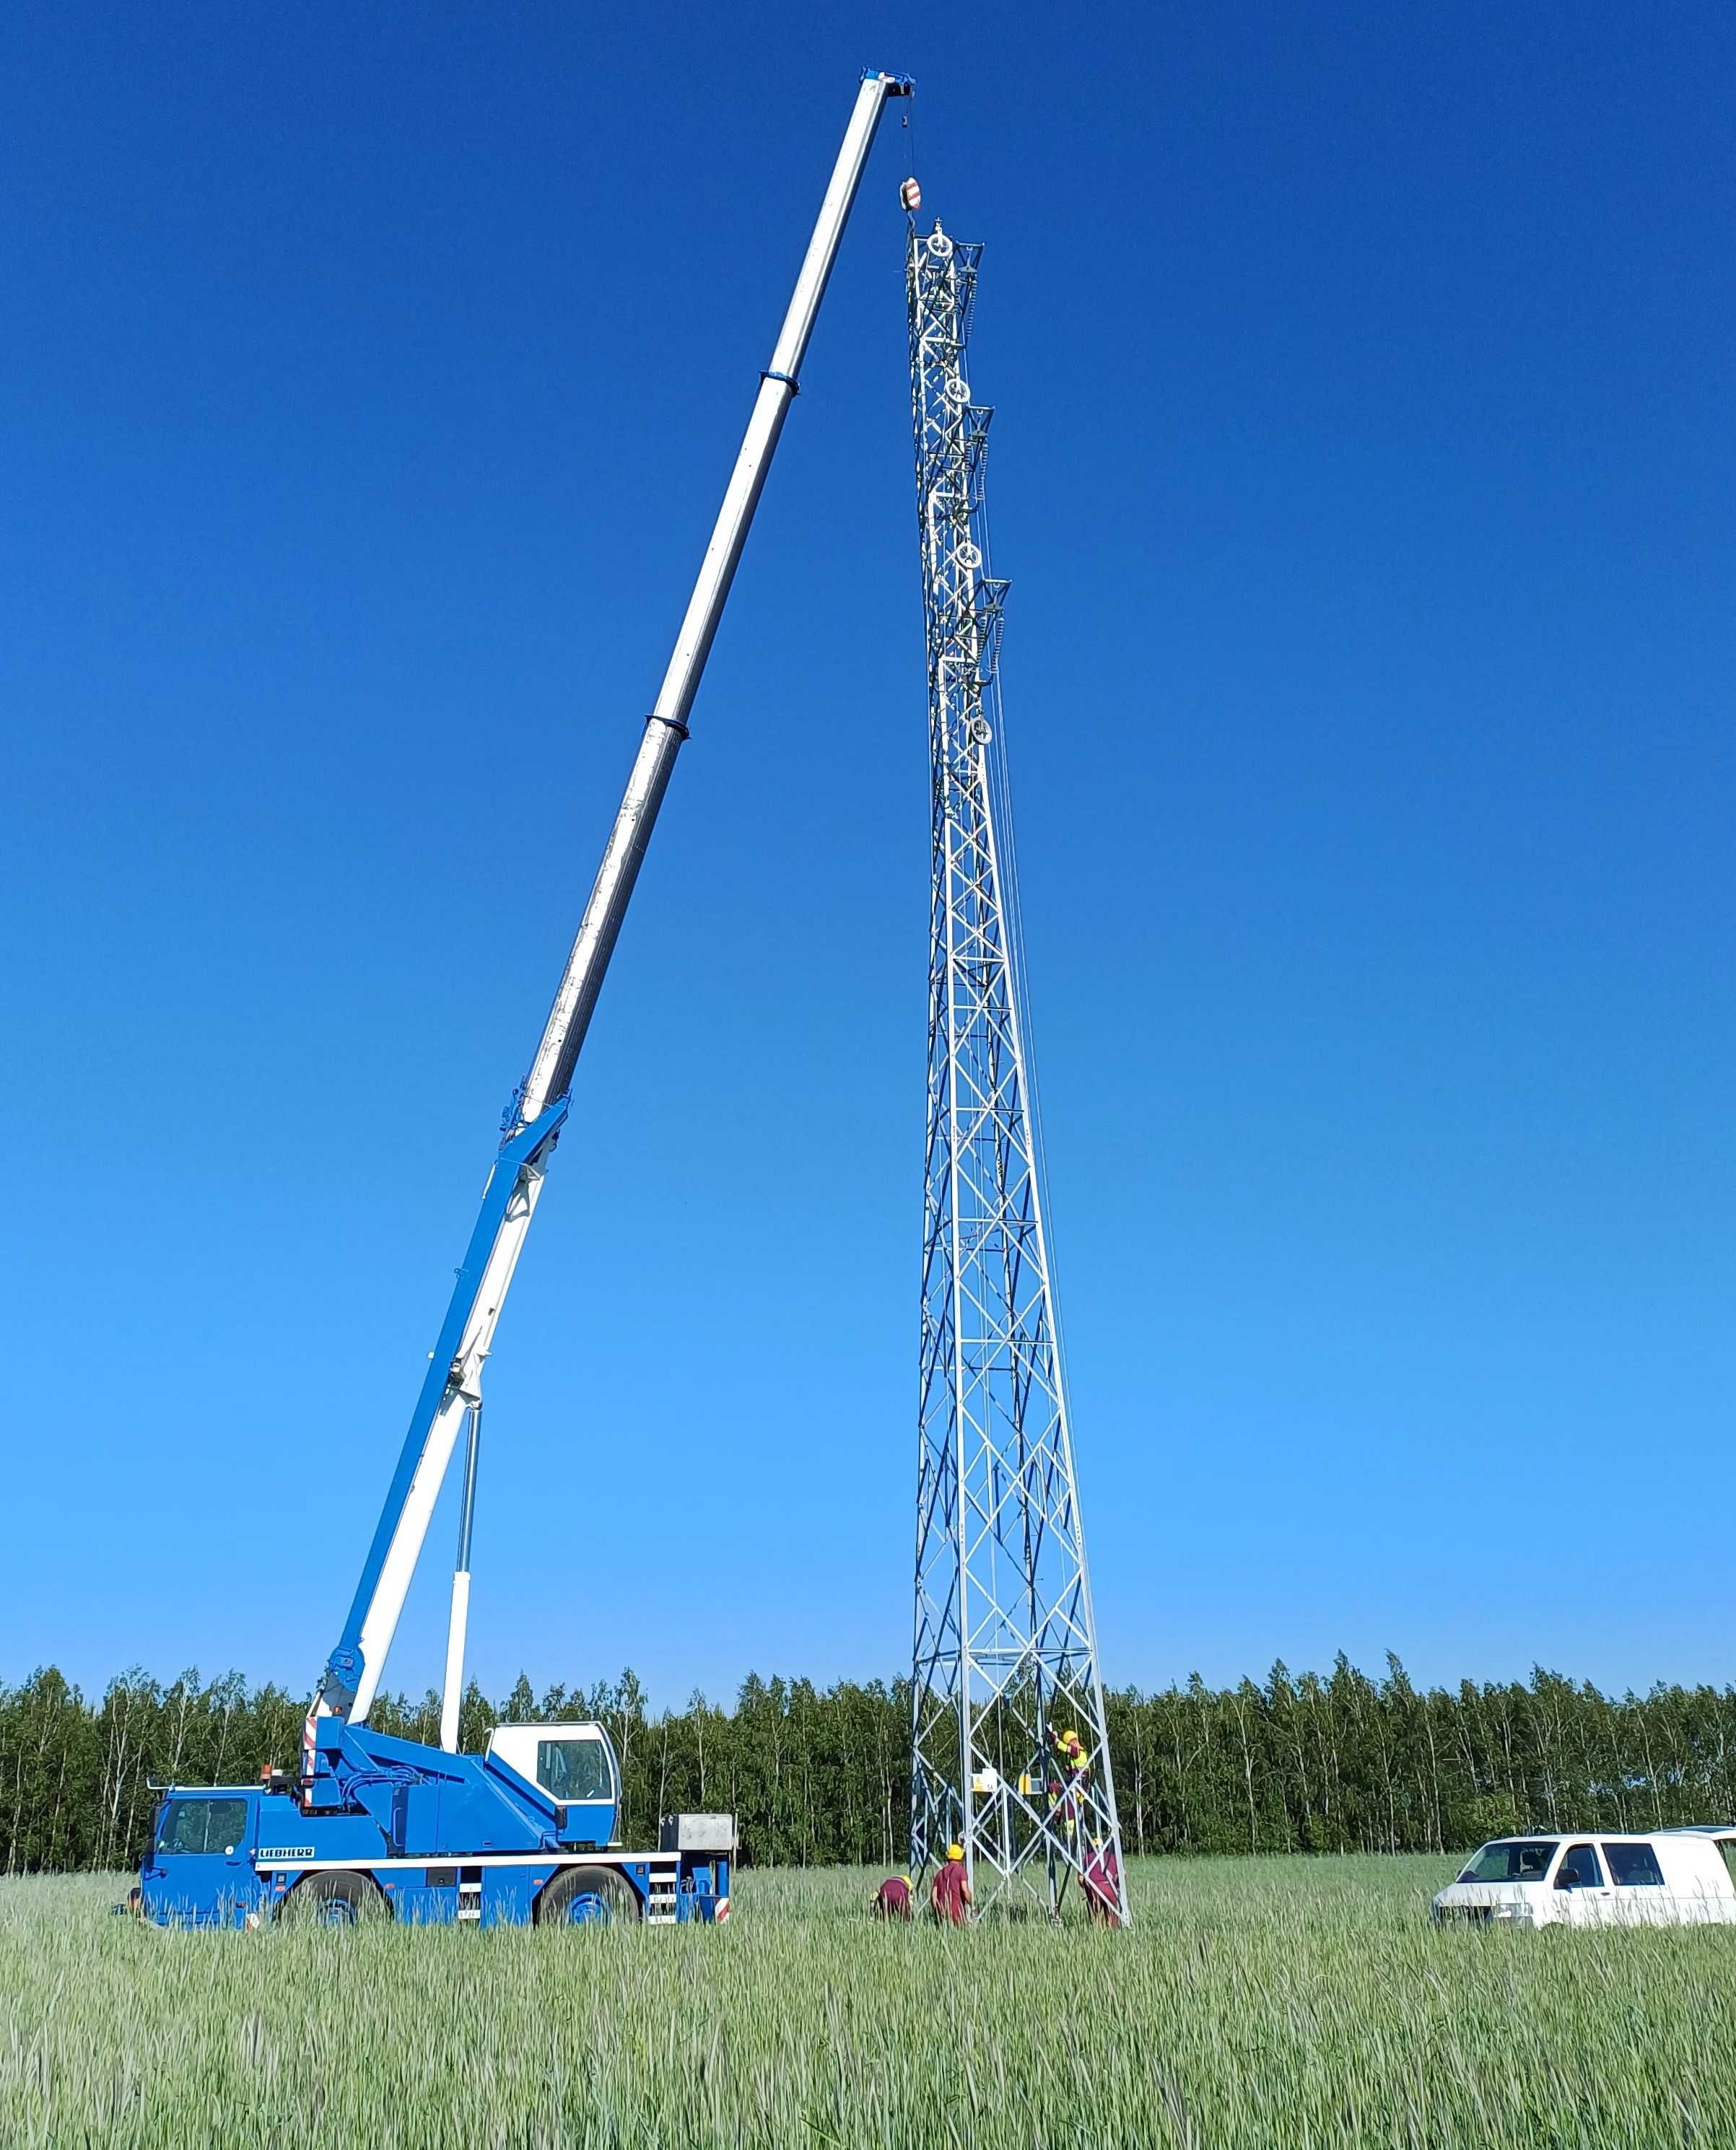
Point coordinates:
pixel 1281 2004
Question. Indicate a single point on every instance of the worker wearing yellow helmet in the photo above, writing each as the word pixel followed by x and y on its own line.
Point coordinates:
pixel 1072 1767
pixel 1069 1753
pixel 894 1899
pixel 949 1894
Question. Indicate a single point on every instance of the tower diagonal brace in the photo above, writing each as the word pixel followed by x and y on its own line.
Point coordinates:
pixel 1005 1660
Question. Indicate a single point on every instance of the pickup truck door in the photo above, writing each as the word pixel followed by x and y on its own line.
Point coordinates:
pixel 1582 1893
pixel 1642 1896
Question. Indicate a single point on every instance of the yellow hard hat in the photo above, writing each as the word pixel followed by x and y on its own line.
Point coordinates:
pixel 1069 1738
pixel 955 1851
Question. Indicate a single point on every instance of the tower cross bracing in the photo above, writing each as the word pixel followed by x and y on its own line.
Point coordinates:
pixel 1005 1662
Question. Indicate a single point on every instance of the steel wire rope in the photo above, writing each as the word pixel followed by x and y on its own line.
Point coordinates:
pixel 1102 1802
pixel 1013 902
pixel 1004 850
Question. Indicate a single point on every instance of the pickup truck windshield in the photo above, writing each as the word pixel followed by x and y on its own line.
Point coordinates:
pixel 1512 1861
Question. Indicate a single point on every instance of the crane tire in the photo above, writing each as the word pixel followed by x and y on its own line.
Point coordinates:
pixel 333 1899
pixel 586 1896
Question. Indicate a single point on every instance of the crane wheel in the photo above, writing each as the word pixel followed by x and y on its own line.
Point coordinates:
pixel 589 1896
pixel 333 1900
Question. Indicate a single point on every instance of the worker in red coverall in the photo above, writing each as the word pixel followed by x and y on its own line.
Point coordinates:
pixel 892 1900
pixel 949 1895
pixel 1101 1880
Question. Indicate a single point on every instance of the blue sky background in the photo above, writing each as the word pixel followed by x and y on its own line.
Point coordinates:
pixel 1364 467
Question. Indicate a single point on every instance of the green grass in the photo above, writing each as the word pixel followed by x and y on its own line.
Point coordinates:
pixel 1278 2005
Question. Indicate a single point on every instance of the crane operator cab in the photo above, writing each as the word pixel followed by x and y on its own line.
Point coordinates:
pixel 575 1765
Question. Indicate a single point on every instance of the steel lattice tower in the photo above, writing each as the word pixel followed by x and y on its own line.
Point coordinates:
pixel 1005 1660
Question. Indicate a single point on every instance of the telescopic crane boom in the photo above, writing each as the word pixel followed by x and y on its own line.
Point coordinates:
pixel 451 1393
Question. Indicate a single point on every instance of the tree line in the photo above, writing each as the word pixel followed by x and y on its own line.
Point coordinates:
pixel 1333 1763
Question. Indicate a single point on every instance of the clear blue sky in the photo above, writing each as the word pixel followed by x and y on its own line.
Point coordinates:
pixel 1365 471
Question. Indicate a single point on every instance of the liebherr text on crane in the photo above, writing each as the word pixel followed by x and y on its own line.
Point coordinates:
pixel 525 1831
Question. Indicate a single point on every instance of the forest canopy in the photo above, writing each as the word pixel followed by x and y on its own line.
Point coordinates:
pixel 1312 1763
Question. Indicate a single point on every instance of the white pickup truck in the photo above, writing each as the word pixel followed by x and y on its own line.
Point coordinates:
pixel 1673 1877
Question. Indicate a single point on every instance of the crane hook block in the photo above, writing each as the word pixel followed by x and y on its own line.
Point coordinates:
pixel 910 196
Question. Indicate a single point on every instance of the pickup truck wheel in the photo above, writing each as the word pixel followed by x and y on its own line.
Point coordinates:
pixel 333 1900
pixel 589 1896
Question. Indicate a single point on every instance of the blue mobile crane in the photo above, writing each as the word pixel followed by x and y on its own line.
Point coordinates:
pixel 374 1826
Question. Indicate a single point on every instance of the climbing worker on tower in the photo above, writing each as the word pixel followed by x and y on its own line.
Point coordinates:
pixel 1071 1758
pixel 949 1895
pixel 1072 1771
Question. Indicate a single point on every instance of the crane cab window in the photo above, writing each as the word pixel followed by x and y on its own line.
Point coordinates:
pixel 204 1826
pixel 574 1769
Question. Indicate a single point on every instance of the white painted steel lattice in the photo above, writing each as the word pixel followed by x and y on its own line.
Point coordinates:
pixel 1005 1663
